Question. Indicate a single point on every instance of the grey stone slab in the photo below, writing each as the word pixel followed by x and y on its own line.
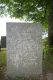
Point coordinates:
pixel 24 49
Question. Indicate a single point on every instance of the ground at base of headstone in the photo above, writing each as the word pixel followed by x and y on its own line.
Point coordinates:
pixel 47 76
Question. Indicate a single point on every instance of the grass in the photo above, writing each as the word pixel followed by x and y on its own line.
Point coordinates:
pixel 48 57
pixel 48 60
pixel 48 63
pixel 3 57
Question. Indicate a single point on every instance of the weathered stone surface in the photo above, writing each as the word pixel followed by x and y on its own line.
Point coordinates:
pixel 24 53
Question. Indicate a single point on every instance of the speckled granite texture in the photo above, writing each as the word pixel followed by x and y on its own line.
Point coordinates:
pixel 24 51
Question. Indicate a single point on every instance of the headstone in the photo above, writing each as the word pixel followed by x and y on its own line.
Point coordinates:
pixel 3 41
pixel 24 51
